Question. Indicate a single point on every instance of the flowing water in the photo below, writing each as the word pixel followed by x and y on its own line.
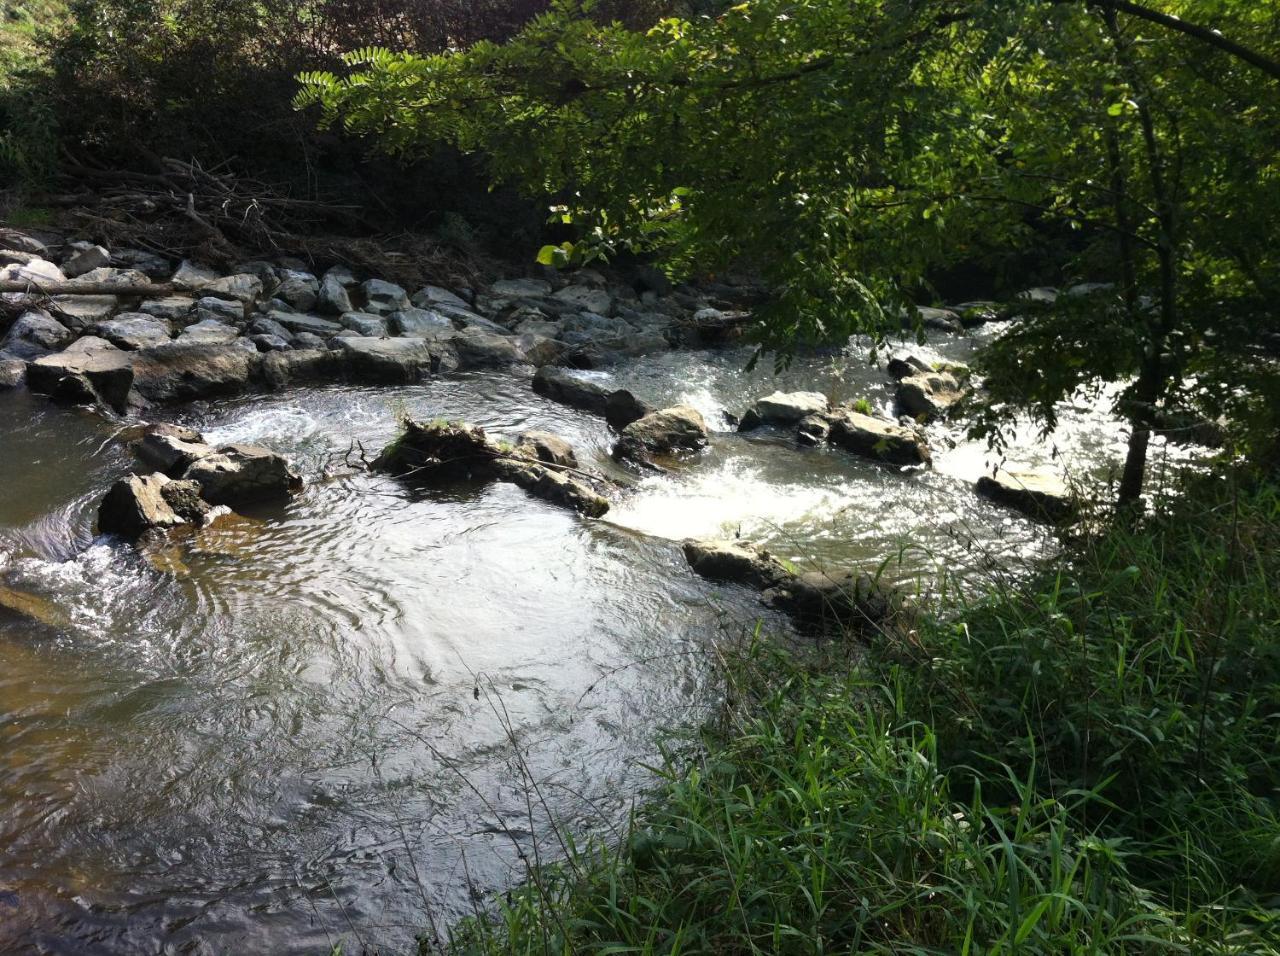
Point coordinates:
pixel 318 721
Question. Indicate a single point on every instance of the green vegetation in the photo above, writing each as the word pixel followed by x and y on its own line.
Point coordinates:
pixel 1081 762
pixel 863 406
pixel 849 151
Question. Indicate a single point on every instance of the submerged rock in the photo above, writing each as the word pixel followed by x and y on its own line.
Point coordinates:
pixel 558 385
pixel 876 438
pixel 735 562
pixel 242 474
pixel 32 608
pixel 1039 495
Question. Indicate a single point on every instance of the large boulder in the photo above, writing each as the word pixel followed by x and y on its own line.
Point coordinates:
pixel 364 324
pixel 480 349
pixel 784 408
pixel 332 297
pixel 182 372
pixel 281 369
pixel 422 323
pixel 929 395
pixel 876 438
pixel 140 503
pixel 170 449
pixel 299 289
pixel 1039 495
pixel 100 376
pixel 134 330
pixel 390 360
pixel 735 562
pixel 35 334
pixel 241 474
pixel 679 428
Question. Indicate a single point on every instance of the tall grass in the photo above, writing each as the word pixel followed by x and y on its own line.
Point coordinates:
pixel 1085 762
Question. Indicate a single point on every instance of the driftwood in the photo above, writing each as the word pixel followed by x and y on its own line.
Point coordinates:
pixel 72 287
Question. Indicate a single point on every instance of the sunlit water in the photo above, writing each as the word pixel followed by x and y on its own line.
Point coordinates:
pixel 318 721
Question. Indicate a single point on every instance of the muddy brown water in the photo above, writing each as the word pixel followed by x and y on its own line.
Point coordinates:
pixel 316 722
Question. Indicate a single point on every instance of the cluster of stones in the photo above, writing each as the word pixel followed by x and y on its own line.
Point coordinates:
pixel 188 481
pixel 203 334
pixel 543 464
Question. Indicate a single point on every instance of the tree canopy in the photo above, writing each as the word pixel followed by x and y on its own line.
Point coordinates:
pixel 847 151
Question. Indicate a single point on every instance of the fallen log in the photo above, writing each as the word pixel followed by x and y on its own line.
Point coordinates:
pixel 72 287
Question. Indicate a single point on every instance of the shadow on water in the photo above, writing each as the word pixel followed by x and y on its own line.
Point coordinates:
pixel 297 725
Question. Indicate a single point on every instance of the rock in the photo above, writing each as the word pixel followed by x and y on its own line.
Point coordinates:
pixel 309 340
pixel 85 375
pixel 313 324
pixel 905 364
pixel 587 299
pixel 154 267
pixel 390 360
pixel 180 371
pixel 265 326
pixel 521 288
pixel 241 474
pixel 134 330
pixel 172 308
pixel 538 350
pixel 422 323
pixel 560 386
pixel 784 408
pixel 36 271
pixel 12 239
pixel 539 326
pixel 621 409
pixel 930 395
pixel 116 277
pixel 169 449
pixel 263 271
pixel 34 334
pixel 80 312
pixel 86 259
pixel 1083 290
pixel 1041 295
pixel 478 349
pixel 137 504
pixel 546 447
pixel 735 562
pixel 876 438
pixel 940 320
pixel 824 600
pixel 245 289
pixel 479 323
pixel 193 275
pixel 430 296
pixel 299 289
pixel 332 297
pixel 270 343
pixel 679 428
pixel 343 276
pixel 555 486
pixel 208 332
pixel 813 430
pixel 976 313
pixel 362 323
pixel 13 372
pixel 440 450
pixel 383 298
pixel 296 367
pixel 1038 495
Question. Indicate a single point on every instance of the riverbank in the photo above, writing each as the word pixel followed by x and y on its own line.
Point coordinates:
pixel 1085 761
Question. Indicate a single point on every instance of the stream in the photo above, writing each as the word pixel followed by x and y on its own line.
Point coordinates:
pixel 318 721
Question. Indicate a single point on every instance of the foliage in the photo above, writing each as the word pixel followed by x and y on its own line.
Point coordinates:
pixel 28 128
pixel 849 151
pixel 1082 762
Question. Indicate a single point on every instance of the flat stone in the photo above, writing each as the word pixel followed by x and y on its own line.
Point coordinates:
pixel 13 239
pixel 208 332
pixel 171 308
pixel 785 408
pixel 362 323
pixel 97 376
pixel 298 323
pixel 245 289
pixel 302 367
pixel 36 271
pixel 418 322
pixel 876 438
pixel 389 360
pixel 561 386
pixel 520 288
pixel 79 312
pixel 432 295
pixel 133 330
pixel 1039 495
